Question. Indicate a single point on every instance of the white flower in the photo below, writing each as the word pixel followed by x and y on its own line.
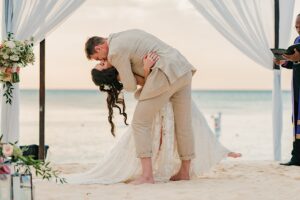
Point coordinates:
pixel 21 49
pixel 14 58
pixel 10 44
pixel 106 87
pixel 8 150
pixel 5 56
pixel 14 50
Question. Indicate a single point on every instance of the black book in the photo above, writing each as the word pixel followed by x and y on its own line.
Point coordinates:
pixel 278 53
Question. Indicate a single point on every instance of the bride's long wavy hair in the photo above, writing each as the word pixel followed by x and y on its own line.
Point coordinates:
pixel 107 81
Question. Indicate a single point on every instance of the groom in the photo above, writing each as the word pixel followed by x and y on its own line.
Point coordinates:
pixel 170 80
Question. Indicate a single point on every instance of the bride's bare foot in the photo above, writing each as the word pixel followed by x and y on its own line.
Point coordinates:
pixel 142 180
pixel 234 155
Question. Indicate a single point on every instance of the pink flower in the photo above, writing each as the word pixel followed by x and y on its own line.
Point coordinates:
pixel 4 169
pixel 9 70
pixel 7 150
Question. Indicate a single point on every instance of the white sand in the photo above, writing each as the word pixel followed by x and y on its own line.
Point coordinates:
pixel 231 180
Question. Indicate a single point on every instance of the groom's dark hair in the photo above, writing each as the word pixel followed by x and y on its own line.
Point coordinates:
pixel 90 45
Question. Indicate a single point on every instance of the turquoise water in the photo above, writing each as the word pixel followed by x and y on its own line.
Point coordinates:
pixel 223 100
pixel 77 127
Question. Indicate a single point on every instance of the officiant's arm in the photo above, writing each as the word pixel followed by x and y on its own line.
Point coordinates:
pixel 122 64
pixel 287 65
pixel 294 57
pixel 290 65
pixel 283 63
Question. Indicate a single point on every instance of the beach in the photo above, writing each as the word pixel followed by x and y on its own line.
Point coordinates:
pixel 230 180
pixel 78 134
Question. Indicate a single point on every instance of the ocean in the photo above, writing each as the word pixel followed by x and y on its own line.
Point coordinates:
pixel 77 129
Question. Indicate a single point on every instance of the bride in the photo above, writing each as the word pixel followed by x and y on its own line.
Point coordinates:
pixel 120 163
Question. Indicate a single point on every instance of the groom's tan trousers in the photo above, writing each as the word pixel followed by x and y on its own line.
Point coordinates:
pixel 180 96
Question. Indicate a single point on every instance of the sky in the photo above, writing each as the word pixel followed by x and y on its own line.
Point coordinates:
pixel 220 65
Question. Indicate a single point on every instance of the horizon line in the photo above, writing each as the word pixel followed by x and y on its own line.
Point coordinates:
pixel 217 90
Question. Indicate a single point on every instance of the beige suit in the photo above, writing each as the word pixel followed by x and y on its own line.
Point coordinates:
pixel 170 80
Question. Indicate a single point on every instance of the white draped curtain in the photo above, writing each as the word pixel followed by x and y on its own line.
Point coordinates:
pixel 249 26
pixel 30 18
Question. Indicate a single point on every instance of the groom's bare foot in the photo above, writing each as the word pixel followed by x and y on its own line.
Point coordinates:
pixel 180 176
pixel 184 171
pixel 142 180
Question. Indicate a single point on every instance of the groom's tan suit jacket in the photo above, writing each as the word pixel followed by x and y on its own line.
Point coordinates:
pixel 126 52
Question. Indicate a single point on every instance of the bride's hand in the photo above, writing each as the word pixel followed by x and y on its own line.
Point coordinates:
pixel 149 60
pixel 140 80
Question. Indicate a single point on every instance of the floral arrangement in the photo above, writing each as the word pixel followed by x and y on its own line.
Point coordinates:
pixel 14 54
pixel 11 154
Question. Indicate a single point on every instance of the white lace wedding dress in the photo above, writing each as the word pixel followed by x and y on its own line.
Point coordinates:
pixel 120 164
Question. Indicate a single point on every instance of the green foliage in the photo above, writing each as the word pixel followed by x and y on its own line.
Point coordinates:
pixel 14 54
pixel 26 164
